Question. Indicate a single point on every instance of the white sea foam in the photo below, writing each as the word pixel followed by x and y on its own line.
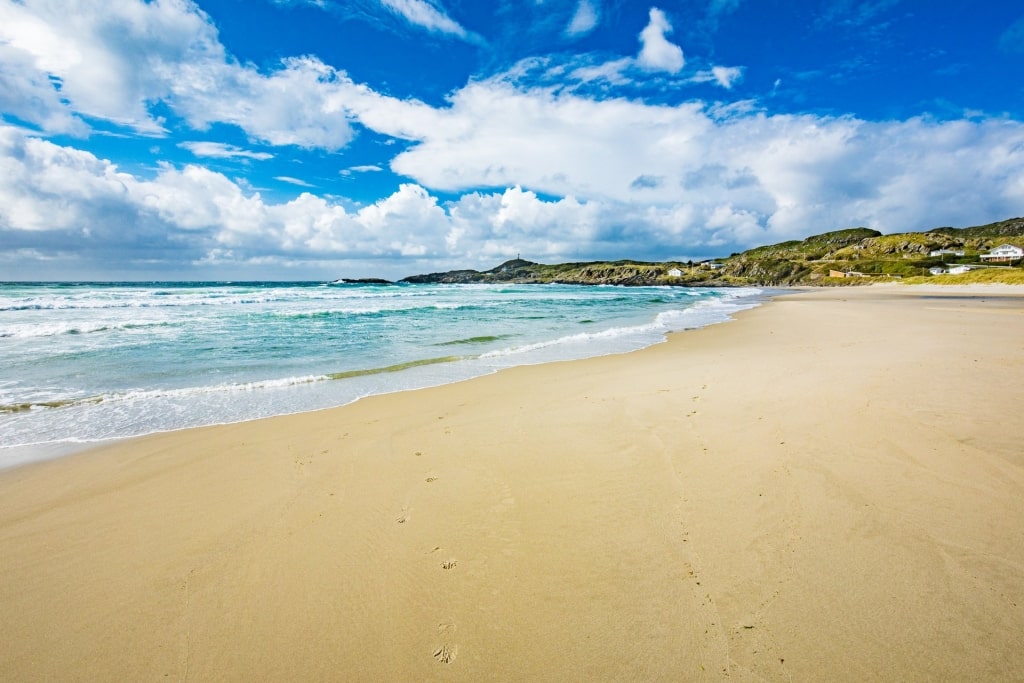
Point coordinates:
pixel 26 330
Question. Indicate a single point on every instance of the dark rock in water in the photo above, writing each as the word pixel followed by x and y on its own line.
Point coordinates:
pixel 362 281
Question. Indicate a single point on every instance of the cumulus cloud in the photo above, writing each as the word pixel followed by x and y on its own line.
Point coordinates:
pixel 584 20
pixel 797 174
pixel 303 103
pixel 657 53
pixel 106 54
pixel 64 62
pixel 679 183
pixel 495 135
pixel 29 94
pixel 55 198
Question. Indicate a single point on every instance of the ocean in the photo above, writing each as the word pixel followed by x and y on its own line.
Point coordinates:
pixel 82 363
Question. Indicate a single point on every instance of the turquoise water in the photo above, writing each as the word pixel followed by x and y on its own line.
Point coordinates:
pixel 88 362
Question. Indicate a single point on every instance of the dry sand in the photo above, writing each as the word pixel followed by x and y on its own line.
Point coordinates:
pixel 830 487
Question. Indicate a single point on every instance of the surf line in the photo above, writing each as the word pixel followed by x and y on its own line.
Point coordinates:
pixel 348 374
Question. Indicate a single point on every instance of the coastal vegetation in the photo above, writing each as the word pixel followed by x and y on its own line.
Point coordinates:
pixel 854 256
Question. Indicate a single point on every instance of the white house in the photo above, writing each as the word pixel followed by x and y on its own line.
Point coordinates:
pixel 1005 252
pixel 675 272
pixel 943 252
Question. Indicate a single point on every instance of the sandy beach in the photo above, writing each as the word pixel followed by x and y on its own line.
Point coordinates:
pixel 830 487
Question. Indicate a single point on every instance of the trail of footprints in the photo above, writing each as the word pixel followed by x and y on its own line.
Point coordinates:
pixel 446 652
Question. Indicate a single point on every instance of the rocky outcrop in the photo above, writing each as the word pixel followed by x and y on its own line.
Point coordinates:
pixel 518 271
pixel 362 281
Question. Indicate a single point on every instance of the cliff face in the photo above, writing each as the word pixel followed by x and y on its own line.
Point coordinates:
pixel 864 253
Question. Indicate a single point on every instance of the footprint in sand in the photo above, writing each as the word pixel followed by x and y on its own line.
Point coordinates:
pixel 448 564
pixel 446 653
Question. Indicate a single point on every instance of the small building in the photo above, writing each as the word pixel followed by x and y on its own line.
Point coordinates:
pixel 959 269
pixel 1005 252
pixel 947 252
pixel 675 272
pixel 714 266
pixel 845 273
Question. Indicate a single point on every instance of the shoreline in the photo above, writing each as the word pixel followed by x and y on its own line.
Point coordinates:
pixel 98 372
pixel 828 486
pixel 26 454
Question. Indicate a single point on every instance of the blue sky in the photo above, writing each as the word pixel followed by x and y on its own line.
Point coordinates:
pixel 313 139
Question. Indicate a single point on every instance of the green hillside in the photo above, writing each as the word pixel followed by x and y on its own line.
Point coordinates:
pixel 860 256
pixel 854 256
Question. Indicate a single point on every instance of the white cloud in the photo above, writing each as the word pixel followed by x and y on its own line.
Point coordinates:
pixel 657 53
pixel 424 14
pixel 614 71
pixel 303 103
pixel 487 227
pixel 585 19
pixel 197 200
pixel 55 199
pixel 627 179
pixel 797 174
pixel 367 168
pixel 45 187
pixel 322 4
pixel 66 61
pixel 293 181
pixel 107 54
pixel 495 135
pixel 726 76
pixel 30 95
pixel 220 150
